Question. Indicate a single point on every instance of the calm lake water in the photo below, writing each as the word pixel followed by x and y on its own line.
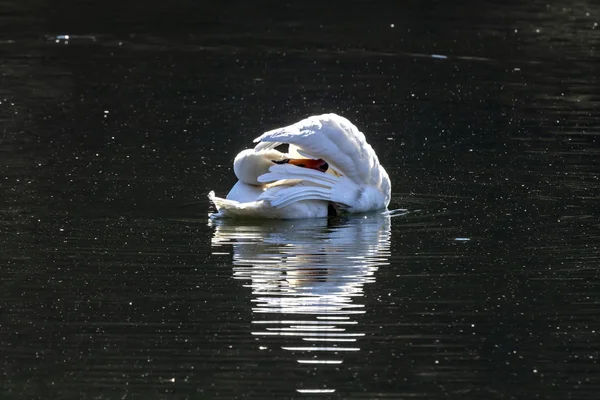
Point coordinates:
pixel 117 119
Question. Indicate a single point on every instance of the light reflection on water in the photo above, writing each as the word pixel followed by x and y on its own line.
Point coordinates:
pixel 308 280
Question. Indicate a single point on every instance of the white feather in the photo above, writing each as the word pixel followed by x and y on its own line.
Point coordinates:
pixel 287 171
pixel 296 193
pixel 332 138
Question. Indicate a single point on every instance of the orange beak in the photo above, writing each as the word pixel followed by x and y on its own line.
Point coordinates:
pixel 319 165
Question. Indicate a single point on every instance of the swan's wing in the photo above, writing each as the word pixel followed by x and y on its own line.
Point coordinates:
pixel 316 185
pixel 286 171
pixel 334 139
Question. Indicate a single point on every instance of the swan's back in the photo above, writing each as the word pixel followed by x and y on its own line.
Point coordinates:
pixel 337 141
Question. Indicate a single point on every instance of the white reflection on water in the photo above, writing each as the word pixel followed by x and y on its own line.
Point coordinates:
pixel 307 278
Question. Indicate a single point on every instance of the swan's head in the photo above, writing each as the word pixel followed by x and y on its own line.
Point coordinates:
pixel 250 164
pixel 319 164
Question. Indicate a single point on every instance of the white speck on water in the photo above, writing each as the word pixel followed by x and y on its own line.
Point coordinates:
pixel 392 25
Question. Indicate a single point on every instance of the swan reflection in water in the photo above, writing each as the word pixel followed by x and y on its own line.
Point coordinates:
pixel 307 278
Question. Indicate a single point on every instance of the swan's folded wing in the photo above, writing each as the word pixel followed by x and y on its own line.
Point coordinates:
pixel 279 172
pixel 332 138
pixel 297 193
pixel 315 185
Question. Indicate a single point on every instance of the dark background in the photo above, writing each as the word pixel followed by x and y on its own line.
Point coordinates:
pixel 485 115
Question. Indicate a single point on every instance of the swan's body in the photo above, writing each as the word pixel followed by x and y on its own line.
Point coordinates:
pixel 273 184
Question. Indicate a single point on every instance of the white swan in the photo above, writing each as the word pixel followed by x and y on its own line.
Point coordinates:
pixel 329 167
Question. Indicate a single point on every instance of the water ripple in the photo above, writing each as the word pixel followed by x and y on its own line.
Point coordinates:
pixel 308 280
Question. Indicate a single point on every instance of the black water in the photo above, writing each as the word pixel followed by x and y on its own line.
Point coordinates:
pixel 116 286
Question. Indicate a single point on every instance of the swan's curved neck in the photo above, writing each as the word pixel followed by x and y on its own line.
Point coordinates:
pixel 250 164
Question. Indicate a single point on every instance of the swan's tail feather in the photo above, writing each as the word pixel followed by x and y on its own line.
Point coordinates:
pixel 233 208
pixel 220 202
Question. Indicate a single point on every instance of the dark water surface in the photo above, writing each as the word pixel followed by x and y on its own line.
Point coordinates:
pixel 116 286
